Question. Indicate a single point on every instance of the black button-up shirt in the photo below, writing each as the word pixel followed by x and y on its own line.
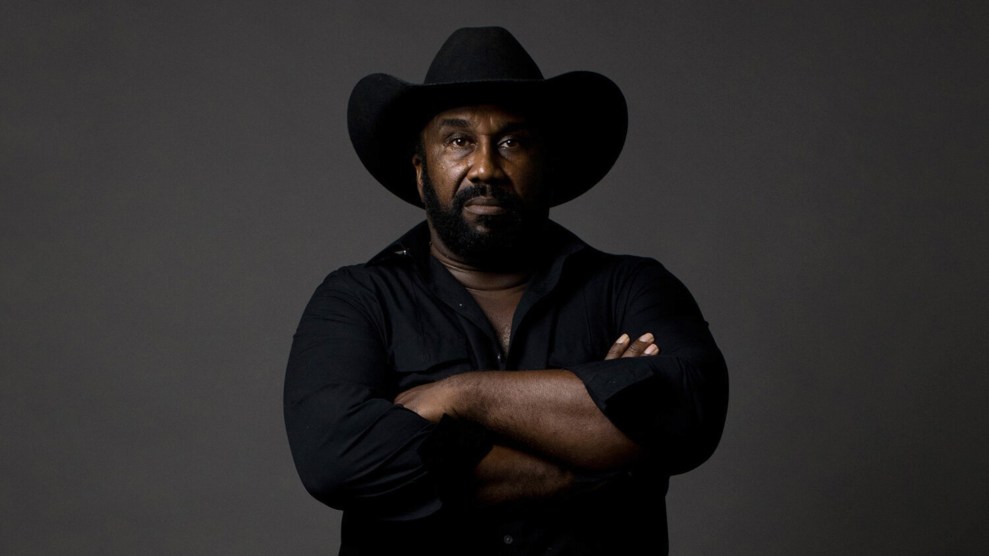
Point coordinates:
pixel 371 331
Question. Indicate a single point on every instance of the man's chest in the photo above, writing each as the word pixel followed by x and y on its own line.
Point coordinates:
pixel 440 338
pixel 499 308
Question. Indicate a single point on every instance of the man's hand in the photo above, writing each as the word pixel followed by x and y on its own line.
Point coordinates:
pixel 644 345
pixel 432 400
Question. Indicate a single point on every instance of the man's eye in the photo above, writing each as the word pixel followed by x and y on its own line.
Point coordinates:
pixel 459 142
pixel 511 144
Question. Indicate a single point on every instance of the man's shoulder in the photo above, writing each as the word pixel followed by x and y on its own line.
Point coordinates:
pixel 368 275
pixel 591 258
pixel 396 262
pixel 567 242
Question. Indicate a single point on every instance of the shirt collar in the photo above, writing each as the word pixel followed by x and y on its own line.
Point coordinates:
pixel 413 247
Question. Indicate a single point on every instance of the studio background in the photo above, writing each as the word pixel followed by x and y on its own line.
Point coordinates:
pixel 176 178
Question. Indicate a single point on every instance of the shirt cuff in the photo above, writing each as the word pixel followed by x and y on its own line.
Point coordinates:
pixel 625 391
pixel 604 380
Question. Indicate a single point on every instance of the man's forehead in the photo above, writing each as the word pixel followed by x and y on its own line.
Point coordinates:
pixel 481 115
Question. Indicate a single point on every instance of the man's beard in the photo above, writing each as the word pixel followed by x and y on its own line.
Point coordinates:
pixel 509 238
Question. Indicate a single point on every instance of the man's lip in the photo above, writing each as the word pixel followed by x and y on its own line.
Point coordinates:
pixel 484 206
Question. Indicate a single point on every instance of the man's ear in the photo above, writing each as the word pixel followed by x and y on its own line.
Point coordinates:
pixel 417 164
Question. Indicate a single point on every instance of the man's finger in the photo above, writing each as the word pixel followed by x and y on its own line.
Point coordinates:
pixel 642 346
pixel 618 348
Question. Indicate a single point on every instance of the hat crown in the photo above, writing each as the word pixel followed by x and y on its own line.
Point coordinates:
pixel 481 54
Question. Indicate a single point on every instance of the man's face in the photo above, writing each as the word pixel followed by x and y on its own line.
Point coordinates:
pixel 481 175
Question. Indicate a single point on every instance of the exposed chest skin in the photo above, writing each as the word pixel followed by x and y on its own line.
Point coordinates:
pixel 499 306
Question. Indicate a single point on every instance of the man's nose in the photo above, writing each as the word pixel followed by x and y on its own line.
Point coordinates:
pixel 486 164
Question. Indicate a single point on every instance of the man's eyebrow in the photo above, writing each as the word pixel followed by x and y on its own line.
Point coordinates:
pixel 515 126
pixel 454 122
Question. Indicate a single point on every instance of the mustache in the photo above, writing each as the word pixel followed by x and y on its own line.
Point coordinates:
pixel 506 198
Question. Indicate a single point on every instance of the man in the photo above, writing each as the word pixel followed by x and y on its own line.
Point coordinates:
pixel 489 383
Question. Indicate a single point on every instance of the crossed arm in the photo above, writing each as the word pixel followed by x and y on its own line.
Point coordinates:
pixel 356 448
pixel 549 428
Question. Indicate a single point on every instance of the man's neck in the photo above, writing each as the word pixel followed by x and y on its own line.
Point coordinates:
pixel 475 278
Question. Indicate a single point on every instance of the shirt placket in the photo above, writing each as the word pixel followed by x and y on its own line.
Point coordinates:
pixel 485 348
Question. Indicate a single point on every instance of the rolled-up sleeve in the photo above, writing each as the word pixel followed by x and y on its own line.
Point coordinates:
pixel 673 404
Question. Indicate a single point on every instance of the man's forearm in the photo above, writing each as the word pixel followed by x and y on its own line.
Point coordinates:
pixel 548 412
pixel 510 475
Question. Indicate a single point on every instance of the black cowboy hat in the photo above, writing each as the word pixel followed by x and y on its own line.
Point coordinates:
pixel 584 112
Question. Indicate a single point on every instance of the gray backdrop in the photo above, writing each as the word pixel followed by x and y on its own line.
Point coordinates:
pixel 177 178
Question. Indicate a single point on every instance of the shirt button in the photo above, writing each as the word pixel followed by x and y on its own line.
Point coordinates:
pixel 507 539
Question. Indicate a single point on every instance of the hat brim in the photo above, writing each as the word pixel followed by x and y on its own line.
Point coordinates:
pixel 584 113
